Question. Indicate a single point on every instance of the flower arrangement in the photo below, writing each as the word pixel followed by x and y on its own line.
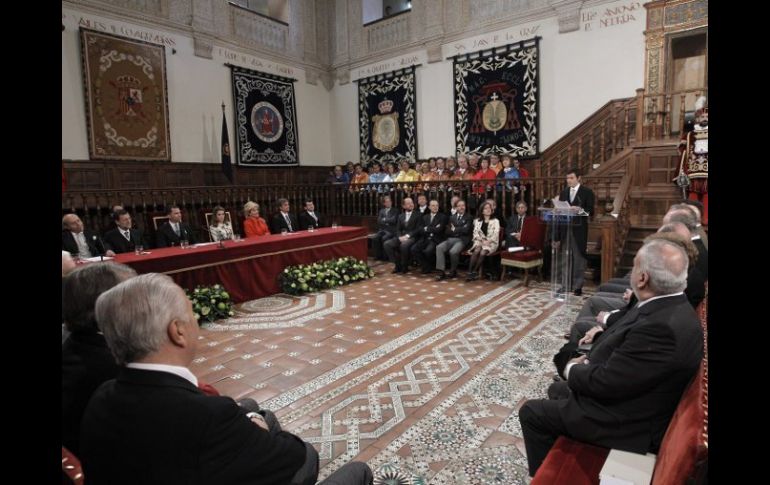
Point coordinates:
pixel 210 303
pixel 323 275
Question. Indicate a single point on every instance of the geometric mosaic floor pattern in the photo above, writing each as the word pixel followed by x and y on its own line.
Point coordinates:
pixel 421 379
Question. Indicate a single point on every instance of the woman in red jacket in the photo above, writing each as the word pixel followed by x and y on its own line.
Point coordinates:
pixel 253 225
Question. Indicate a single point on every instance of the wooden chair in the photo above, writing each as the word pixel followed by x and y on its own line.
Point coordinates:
pixel 208 218
pixel 533 240
pixel 158 220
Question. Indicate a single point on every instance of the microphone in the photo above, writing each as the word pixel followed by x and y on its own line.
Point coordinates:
pixel 99 245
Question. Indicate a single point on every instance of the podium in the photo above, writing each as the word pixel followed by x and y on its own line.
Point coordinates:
pixel 559 226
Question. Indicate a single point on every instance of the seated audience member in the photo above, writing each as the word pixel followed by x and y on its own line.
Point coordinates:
pixel 486 237
pixel 377 176
pixel 174 231
pixel 115 209
pixel 80 242
pixel 431 234
pixel 509 174
pixel 458 235
pixel 124 238
pixel 696 207
pixel 386 227
pixel 422 204
pixel 153 425
pixel 515 224
pixel 407 233
pixel 603 309
pixel 453 205
pixel 407 173
pixel 220 229
pixel 309 216
pixel 483 176
pixel 283 219
pixel 85 358
pixel 441 171
pixel 253 225
pixel 688 218
pixel 623 394
pixel 359 177
pixel 339 176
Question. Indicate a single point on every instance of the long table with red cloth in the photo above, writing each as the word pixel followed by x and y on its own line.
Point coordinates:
pixel 249 268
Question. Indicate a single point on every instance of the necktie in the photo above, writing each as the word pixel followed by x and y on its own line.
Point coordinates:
pixel 572 194
pixel 406 217
pixel 176 228
pixel 518 224
pixel 431 217
pixel 288 221
pixel 127 235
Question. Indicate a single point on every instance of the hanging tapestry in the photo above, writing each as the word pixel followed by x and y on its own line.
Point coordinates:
pixel 496 101
pixel 126 98
pixel 265 118
pixel 386 117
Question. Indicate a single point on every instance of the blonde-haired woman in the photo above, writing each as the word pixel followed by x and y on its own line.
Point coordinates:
pixel 253 225
pixel 486 237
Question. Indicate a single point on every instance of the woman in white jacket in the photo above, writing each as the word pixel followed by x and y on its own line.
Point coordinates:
pixel 486 237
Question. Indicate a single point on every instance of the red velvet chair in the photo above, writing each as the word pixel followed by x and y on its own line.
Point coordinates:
pixel 533 240
pixel 71 468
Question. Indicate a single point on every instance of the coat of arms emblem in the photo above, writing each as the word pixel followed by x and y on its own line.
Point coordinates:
pixel 385 132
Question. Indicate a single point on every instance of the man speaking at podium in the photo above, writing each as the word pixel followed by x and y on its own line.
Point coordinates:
pixel 577 195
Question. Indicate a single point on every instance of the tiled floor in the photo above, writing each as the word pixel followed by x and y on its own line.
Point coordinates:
pixel 421 379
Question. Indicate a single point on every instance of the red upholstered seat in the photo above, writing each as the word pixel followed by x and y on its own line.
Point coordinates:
pixel 571 462
pixel 523 255
pixel 70 465
pixel 533 239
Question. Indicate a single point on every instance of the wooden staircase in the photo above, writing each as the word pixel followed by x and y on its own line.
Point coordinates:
pixel 630 160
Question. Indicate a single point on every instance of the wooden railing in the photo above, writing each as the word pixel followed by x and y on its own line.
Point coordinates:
pixel 656 120
pixel 597 139
pixel 336 202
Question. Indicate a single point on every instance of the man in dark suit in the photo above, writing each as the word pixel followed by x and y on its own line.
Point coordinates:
pixel 431 234
pixel 459 230
pixel 623 394
pixel 514 225
pixel 86 360
pixel 153 425
pixel 386 227
pixel 407 232
pixel 309 217
pixel 79 241
pixel 124 238
pixel 577 195
pixel 689 219
pixel 283 220
pixel 174 231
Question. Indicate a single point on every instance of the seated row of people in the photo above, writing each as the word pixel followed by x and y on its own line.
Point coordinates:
pixel 646 344
pixel 429 236
pixel 123 238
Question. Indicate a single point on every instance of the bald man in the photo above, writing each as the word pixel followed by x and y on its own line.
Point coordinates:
pixel 79 241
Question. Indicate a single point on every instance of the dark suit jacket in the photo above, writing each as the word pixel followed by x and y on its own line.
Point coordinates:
pixel 115 240
pixel 463 227
pixel 585 199
pixel 703 258
pixel 166 235
pixel 86 363
pixel 386 220
pixel 638 370
pixel 279 223
pixel 412 227
pixel 153 427
pixel 68 242
pixel 513 225
pixel 305 220
pixel 435 231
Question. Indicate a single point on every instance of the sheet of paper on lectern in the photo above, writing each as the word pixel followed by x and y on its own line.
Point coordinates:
pixel 515 248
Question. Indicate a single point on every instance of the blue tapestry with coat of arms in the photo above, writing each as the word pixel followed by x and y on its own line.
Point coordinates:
pixel 265 118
